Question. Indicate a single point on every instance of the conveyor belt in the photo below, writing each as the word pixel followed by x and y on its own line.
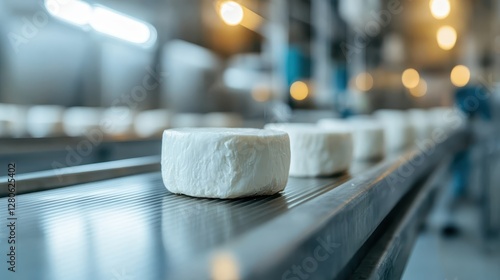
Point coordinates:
pixel 132 228
pixel 88 231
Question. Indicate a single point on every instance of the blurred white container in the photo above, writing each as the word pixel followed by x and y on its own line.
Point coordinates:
pixel 152 122
pixel 45 120
pixel 80 120
pixel 367 134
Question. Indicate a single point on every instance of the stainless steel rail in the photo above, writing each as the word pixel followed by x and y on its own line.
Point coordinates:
pixel 56 178
pixel 389 253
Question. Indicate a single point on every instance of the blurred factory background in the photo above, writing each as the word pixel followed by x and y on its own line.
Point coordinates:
pixel 205 56
pixel 120 71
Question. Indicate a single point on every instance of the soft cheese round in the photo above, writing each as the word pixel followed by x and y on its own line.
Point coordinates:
pixel 421 123
pixel 225 162
pixel 152 122
pixel 399 131
pixel 13 120
pixel 218 119
pixel 118 121
pixel 316 151
pixel 45 120
pixel 367 135
pixel 78 121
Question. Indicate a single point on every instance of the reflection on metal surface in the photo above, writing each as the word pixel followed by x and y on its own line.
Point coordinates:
pixel 225 267
pixel 192 225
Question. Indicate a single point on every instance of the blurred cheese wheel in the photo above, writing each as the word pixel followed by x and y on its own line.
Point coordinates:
pixel 223 120
pixel 13 120
pixel 447 119
pixel 188 120
pixel 4 128
pixel 316 151
pixel 152 122
pixel 398 131
pixel 118 121
pixel 367 134
pixel 45 120
pixel 78 121
pixel 421 123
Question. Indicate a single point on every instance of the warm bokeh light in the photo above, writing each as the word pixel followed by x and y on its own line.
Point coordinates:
pixel 364 81
pixel 299 90
pixel 231 12
pixel 261 93
pixel 446 37
pixel 420 90
pixel 460 75
pixel 440 9
pixel 410 78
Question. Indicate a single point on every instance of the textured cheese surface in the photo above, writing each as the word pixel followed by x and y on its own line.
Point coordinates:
pixel 368 136
pixel 398 130
pixel 225 162
pixel 316 151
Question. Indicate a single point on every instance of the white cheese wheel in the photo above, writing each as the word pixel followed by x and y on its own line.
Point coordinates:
pixel 78 121
pixel 398 130
pixel 4 128
pixel 188 120
pixel 152 122
pixel 317 151
pixel 421 123
pixel 447 119
pixel 118 121
pixel 13 120
pixel 223 120
pixel 367 135
pixel 45 120
pixel 225 162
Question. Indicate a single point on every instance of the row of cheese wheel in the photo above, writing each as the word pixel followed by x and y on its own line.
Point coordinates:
pixel 232 163
pixel 51 120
